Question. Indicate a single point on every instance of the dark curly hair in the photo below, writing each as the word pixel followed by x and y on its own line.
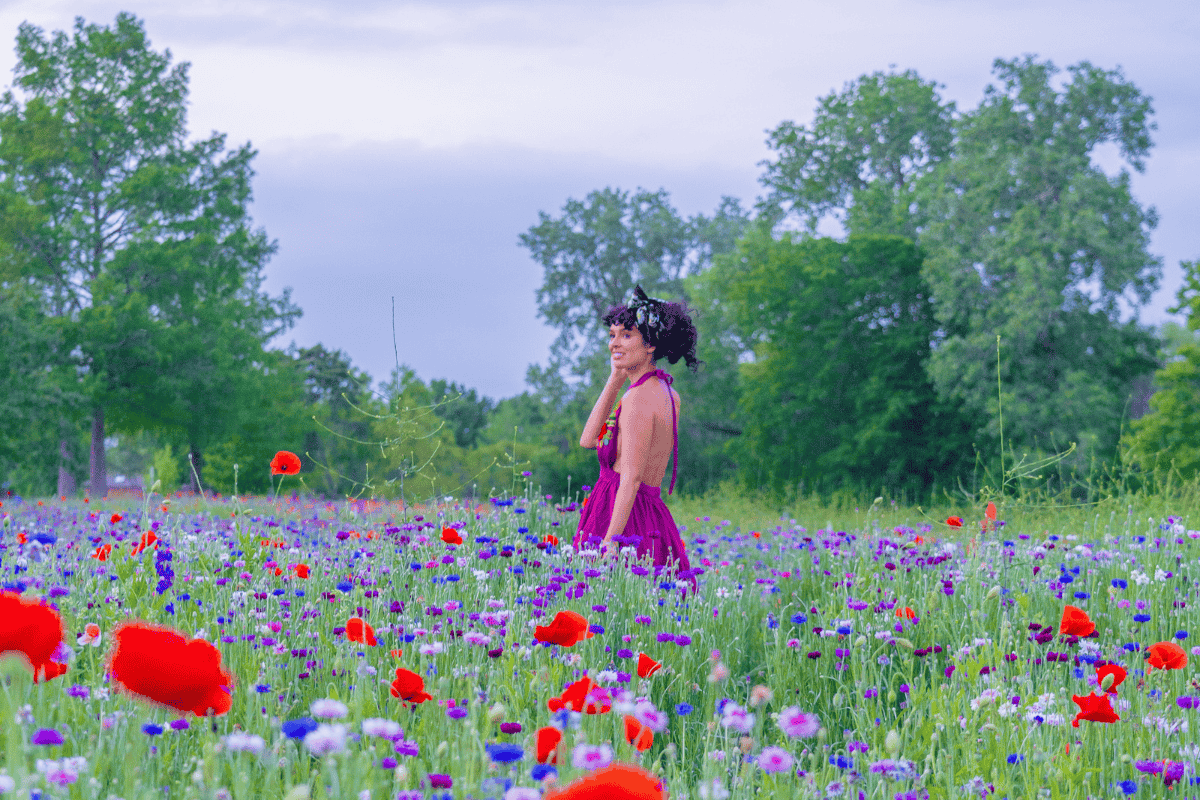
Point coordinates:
pixel 673 338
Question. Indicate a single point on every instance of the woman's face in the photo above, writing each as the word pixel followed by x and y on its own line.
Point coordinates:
pixel 627 347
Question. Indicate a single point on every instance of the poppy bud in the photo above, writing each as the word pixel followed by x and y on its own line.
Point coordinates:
pixel 891 742
pixel 442 748
pixel 401 774
pixel 860 641
pixel 910 545
pixel 822 735
pixel 892 696
pixel 900 640
pixel 1108 681
pixel 993 593
pixel 496 713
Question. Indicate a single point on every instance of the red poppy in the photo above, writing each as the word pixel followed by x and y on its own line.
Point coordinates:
pixel 573 697
pixel 101 553
pixel 954 522
pixel 547 745
pixel 1075 622
pixel 918 540
pixel 991 512
pixel 1167 655
pixel 115 518
pixel 33 630
pixel 163 666
pixel 1118 674
pixel 450 536
pixel 285 463
pixel 395 653
pixel 148 539
pixel 300 570
pixel 1094 708
pixel 647 666
pixel 409 687
pixel 565 630
pixel 359 631
pixel 22 538
pixel 614 782
pixel 550 539
pixel 906 612
pixel 638 734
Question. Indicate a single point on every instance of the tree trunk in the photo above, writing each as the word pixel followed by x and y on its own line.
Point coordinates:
pixel 196 470
pixel 98 484
pixel 66 480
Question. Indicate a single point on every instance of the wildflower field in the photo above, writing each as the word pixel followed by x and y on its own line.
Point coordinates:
pixel 217 648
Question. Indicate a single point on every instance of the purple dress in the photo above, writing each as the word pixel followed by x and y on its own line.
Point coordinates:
pixel 650 528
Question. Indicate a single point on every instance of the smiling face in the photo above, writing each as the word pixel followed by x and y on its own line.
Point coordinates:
pixel 628 349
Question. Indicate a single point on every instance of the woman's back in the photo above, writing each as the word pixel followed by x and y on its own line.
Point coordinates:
pixel 653 399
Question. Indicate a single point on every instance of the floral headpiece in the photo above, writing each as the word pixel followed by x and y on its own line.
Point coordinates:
pixel 646 309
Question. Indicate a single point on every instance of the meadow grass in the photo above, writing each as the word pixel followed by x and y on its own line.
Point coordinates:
pixel 796 611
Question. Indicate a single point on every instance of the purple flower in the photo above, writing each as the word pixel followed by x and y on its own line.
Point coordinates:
pixel 510 727
pixel 47 736
pixel 440 781
pixel 458 712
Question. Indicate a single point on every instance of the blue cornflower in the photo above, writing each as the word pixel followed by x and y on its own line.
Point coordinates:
pixel 1120 583
pixel 299 728
pixel 1082 595
pixel 799 619
pixel 842 762
pixel 1181 634
pixel 344 586
pixel 540 771
pixel 1128 787
pixel 1015 758
pixel 1141 617
pixel 504 753
pixel 683 709
pixel 1066 578
pixel 150 729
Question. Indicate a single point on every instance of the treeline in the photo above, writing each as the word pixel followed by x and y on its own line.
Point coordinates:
pixel 971 309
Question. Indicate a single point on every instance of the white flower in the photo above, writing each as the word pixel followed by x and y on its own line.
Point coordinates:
pixel 1159 575
pixel 365 670
pixel 326 739
pixel 329 709
pixel 244 743
pixel 7 784
pixel 587 756
pixel 383 728
pixel 431 649
pixel 62 773
pixel 1139 577
pixel 713 790
pixel 522 793
pixel 606 676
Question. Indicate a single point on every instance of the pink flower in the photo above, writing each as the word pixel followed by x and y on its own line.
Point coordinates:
pixel 588 756
pixel 650 716
pixel 775 759
pixel 737 718
pixel 798 724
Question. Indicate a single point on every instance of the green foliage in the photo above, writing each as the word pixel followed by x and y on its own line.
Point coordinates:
pixel 139 242
pixel 836 395
pixel 862 155
pixel 1168 438
pixel 1028 239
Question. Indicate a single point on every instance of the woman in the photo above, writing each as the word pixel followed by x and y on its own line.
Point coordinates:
pixel 635 441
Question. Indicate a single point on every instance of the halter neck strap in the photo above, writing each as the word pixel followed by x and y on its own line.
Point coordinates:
pixel 666 378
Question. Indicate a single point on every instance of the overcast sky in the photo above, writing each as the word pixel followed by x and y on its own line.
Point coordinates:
pixel 404 146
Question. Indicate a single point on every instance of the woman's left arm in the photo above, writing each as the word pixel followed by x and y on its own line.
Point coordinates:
pixel 637 426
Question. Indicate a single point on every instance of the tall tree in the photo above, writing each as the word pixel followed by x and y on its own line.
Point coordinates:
pixel 1030 240
pixel 860 158
pixel 835 394
pixel 139 241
